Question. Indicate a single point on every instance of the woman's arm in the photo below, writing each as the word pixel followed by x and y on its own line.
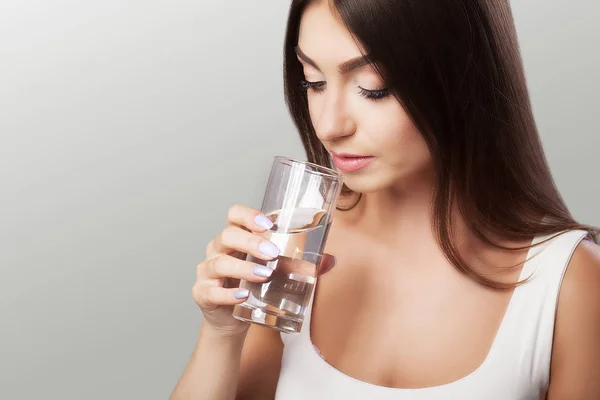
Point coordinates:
pixel 213 369
pixel 242 367
pixel 575 369
pixel 260 364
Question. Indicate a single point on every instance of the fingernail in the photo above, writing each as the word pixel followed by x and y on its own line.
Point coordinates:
pixel 241 294
pixel 262 271
pixel 262 221
pixel 268 249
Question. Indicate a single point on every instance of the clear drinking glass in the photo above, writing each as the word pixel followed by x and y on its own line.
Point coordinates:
pixel 300 199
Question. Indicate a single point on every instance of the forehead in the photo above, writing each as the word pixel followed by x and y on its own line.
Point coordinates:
pixel 323 37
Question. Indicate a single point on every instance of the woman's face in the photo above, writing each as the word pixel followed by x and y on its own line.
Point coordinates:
pixel 351 110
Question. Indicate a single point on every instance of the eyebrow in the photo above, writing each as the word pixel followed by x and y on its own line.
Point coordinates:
pixel 343 68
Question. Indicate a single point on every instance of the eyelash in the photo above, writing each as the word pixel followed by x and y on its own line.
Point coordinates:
pixel 318 87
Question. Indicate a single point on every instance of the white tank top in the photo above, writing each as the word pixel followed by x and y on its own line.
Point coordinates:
pixel 516 367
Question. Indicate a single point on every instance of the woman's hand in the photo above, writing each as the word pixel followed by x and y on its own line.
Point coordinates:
pixel 217 290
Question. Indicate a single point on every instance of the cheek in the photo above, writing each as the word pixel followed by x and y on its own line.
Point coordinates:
pixel 390 128
pixel 315 105
pixel 395 137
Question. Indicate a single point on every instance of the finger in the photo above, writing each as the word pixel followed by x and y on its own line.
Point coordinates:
pixel 226 266
pixel 212 251
pixel 234 238
pixel 327 263
pixel 215 296
pixel 248 218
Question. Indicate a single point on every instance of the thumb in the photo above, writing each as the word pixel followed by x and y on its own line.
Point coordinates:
pixel 327 262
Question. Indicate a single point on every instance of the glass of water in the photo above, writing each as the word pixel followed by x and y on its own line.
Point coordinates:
pixel 300 200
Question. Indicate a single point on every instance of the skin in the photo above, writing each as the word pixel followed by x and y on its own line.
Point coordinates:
pixel 390 267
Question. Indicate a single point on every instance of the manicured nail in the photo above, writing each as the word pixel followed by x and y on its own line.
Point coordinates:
pixel 241 294
pixel 262 221
pixel 262 271
pixel 268 249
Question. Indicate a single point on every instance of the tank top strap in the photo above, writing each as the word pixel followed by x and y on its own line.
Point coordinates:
pixel 528 325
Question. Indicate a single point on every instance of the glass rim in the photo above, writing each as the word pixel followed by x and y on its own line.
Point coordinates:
pixel 319 169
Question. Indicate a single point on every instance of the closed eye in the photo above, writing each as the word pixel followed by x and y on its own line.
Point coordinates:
pixel 319 87
pixel 374 94
pixel 315 86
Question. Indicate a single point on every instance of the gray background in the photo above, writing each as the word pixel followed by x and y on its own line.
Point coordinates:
pixel 128 128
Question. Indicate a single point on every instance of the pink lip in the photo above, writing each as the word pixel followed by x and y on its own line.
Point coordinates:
pixel 350 162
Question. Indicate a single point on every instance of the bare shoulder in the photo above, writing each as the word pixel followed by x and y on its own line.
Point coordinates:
pixel 260 364
pixel 576 348
pixel 581 285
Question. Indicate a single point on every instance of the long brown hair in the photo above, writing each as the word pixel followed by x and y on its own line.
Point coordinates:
pixel 455 67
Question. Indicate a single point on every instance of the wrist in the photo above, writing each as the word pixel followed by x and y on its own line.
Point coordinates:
pixel 222 336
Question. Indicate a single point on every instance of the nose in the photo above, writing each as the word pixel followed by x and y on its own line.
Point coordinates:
pixel 334 121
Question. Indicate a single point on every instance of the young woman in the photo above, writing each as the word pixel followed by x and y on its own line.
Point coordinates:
pixel 460 272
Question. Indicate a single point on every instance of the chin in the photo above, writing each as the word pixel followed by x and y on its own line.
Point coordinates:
pixel 367 183
pixel 394 180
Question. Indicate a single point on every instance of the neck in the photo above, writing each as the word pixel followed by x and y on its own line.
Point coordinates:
pixel 400 220
pixel 402 213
